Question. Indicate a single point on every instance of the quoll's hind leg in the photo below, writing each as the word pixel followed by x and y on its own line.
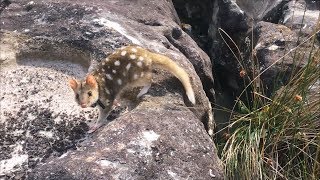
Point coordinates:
pixel 144 90
pixel 144 81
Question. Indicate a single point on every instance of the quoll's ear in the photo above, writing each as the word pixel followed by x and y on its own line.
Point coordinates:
pixel 73 84
pixel 91 81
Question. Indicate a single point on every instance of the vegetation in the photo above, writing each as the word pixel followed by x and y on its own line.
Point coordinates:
pixel 277 137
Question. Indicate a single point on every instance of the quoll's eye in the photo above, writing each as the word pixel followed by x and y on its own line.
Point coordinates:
pixel 77 96
pixel 89 93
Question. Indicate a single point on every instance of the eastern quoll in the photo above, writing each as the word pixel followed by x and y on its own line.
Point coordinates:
pixel 129 66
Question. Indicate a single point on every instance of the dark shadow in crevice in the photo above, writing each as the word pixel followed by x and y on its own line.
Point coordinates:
pixel 4 4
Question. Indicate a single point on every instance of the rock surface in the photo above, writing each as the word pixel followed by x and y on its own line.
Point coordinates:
pixel 152 150
pixel 43 43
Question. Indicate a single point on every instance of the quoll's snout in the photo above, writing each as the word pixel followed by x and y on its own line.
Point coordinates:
pixel 83 105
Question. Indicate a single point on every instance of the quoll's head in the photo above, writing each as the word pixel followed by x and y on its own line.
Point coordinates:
pixel 86 92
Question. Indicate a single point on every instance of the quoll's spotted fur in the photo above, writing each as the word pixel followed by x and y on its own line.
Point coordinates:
pixel 130 66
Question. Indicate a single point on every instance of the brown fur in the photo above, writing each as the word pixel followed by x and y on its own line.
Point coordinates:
pixel 130 66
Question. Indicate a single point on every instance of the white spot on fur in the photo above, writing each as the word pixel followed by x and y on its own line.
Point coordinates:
pixel 128 66
pixel 142 74
pixel 109 76
pixel 114 71
pixel 119 81
pixel 132 56
pixel 141 58
pixel 135 76
pixel 103 70
pixel 107 59
pixel 139 64
pixel 134 50
pixel 123 53
pixel 103 63
pixel 117 63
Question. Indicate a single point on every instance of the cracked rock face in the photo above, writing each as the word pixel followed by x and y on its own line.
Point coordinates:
pixel 43 130
pixel 267 29
pixel 153 151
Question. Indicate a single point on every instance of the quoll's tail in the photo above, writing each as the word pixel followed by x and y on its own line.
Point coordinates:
pixel 163 62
